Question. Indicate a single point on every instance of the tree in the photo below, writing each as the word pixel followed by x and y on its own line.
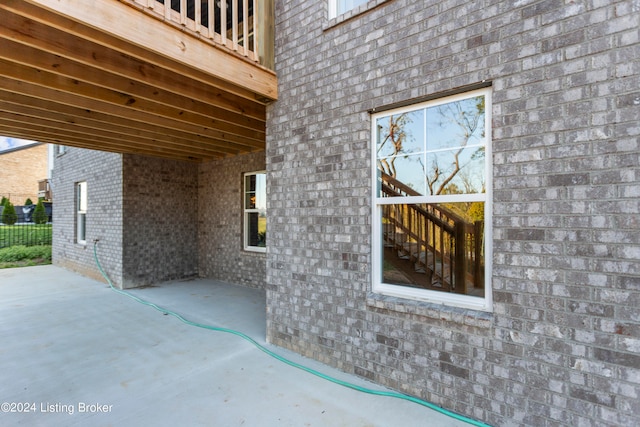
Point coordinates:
pixel 40 214
pixel 4 201
pixel 9 216
pixel 28 202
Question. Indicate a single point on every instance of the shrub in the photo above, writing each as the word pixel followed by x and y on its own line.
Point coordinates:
pixel 4 201
pixel 28 202
pixel 9 216
pixel 40 214
pixel 21 253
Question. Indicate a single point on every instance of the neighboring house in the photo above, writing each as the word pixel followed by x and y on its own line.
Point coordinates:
pixel 451 200
pixel 22 169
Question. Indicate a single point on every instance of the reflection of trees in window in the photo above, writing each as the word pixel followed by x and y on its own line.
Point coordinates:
pixel 467 120
pixel 394 138
pixel 442 155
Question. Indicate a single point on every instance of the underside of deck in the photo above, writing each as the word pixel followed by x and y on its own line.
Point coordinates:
pixel 105 76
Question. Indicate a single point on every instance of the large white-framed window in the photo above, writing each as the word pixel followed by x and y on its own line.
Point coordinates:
pixel 432 201
pixel 81 213
pixel 255 211
pixel 338 7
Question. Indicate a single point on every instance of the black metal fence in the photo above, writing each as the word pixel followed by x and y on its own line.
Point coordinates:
pixel 25 232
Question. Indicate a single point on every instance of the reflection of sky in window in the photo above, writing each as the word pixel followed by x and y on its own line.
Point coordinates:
pixel 346 5
pixel 471 168
pixel 409 172
pixel 261 191
pixel 444 133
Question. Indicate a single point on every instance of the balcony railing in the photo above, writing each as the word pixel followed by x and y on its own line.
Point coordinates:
pixel 44 190
pixel 242 26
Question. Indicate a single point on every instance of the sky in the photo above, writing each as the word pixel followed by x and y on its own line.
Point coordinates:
pixel 7 142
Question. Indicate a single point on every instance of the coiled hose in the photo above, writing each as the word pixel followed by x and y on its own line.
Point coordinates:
pixel 283 359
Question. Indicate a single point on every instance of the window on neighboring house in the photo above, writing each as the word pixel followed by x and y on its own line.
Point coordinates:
pixel 255 211
pixel 338 7
pixel 432 211
pixel 81 217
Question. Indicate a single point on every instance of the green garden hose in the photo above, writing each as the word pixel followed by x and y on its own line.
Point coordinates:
pixel 283 359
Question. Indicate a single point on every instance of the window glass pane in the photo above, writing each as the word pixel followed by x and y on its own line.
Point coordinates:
pixel 255 216
pixel 82 227
pixel 250 192
pixel 82 196
pixel 256 191
pixel 346 5
pixel 261 191
pixel 256 229
pixel 406 172
pixel 453 137
pixel 459 171
pixel 456 124
pixel 437 247
pixel 400 134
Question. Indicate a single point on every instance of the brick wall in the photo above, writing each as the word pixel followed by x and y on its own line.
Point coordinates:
pixel 160 239
pixel 103 174
pixel 220 221
pixel 562 345
pixel 20 170
pixel 156 219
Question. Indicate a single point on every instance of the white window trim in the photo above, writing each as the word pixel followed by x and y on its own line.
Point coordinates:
pixel 245 211
pixel 81 210
pixel 333 9
pixel 437 297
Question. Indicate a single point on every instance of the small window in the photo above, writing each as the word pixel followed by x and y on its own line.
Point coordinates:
pixel 432 212
pixel 255 211
pixel 338 7
pixel 81 209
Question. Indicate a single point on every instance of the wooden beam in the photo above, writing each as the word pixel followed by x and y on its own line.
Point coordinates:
pixel 11 128
pixel 18 104
pixel 64 81
pixel 224 120
pixel 120 104
pixel 21 103
pixel 127 24
pixel 58 127
pixel 58 43
pixel 40 130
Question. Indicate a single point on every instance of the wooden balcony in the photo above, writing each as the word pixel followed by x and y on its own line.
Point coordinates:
pixel 181 79
pixel 44 190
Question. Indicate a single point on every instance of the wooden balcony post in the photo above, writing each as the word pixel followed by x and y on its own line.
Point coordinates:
pixel 460 275
pixel 265 32
pixel 478 235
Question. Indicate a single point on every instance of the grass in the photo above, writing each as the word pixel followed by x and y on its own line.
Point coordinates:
pixel 25 235
pixel 25 256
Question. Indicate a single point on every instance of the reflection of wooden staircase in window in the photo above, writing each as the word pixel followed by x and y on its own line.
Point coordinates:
pixel 433 247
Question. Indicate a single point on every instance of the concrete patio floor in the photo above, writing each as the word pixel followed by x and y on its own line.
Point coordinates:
pixel 74 352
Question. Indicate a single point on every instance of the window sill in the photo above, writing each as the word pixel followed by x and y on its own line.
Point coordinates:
pixel 251 251
pixel 395 305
